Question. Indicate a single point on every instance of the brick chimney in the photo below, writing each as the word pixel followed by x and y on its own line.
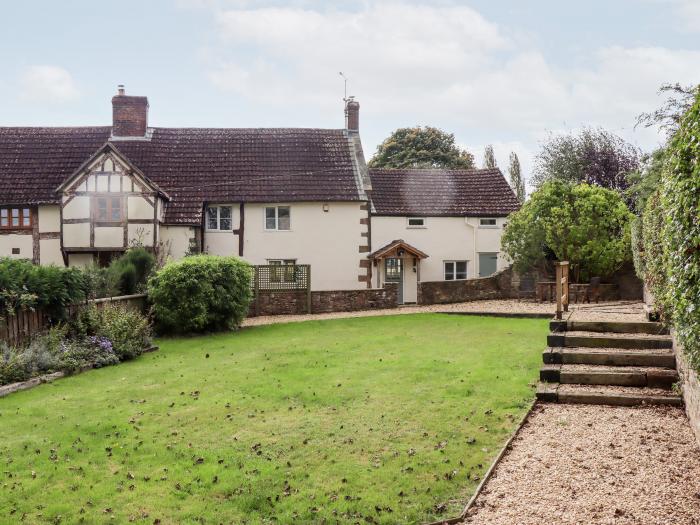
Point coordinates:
pixel 352 115
pixel 129 115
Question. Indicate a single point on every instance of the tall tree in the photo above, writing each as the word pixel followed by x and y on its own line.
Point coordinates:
pixel 594 156
pixel 667 117
pixel 489 157
pixel 421 147
pixel 516 179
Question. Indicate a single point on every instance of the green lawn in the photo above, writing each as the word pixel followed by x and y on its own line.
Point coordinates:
pixel 365 420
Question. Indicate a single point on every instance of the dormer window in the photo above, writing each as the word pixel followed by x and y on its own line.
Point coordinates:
pixel 108 209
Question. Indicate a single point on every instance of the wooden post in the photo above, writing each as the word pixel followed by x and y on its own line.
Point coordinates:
pixel 308 288
pixel 562 287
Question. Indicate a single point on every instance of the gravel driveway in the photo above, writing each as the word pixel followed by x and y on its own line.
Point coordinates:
pixel 590 465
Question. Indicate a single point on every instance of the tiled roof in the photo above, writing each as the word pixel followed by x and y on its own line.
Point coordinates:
pixel 394 246
pixel 192 165
pixel 438 192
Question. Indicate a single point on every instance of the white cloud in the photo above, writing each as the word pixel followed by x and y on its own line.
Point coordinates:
pixel 44 83
pixel 444 65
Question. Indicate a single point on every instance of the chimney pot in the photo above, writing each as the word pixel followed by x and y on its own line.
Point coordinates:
pixel 352 114
pixel 129 115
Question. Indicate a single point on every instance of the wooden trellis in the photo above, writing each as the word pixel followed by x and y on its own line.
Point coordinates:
pixel 270 278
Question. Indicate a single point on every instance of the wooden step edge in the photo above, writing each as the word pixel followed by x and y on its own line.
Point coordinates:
pixel 652 377
pixel 616 398
pixel 621 327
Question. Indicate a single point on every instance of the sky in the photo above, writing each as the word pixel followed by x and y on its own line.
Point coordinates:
pixel 504 72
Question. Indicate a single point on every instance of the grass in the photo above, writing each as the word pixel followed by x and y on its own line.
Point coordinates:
pixel 371 420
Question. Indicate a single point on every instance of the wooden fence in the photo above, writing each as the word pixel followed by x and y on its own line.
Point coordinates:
pixel 19 329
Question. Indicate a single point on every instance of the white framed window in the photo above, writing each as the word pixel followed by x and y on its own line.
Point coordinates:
pixel 277 218
pixel 284 271
pixel 487 223
pixel 219 218
pixel 415 222
pixel 455 270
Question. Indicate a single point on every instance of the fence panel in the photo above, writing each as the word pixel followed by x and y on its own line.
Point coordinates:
pixel 270 278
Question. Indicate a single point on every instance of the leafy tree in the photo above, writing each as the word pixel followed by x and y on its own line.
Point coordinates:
pixel 421 147
pixel 586 225
pixel 643 182
pixel 668 116
pixel 516 180
pixel 593 156
pixel 489 158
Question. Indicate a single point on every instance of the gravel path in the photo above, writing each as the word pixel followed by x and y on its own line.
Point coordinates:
pixel 580 464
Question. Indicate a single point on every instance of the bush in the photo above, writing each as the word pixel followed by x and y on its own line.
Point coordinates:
pixel 588 226
pixel 88 352
pixel 201 293
pixel 128 330
pixel 99 282
pixel 26 285
pixel 42 356
pixel 131 271
pixel 681 212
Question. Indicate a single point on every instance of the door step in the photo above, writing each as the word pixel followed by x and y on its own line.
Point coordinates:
pixel 609 340
pixel 605 395
pixel 618 327
pixel 664 358
pixel 649 376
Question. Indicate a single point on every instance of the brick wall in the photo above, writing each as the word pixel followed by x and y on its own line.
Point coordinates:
pixel 295 302
pixel 500 285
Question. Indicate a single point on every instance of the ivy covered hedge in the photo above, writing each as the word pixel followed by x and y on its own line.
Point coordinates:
pixel 669 240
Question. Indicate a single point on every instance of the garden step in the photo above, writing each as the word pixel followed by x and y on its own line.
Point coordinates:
pixel 608 340
pixel 606 395
pixel 610 356
pixel 609 375
pixel 619 327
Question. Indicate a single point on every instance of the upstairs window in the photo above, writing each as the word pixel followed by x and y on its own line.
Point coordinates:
pixel 219 218
pixel 416 222
pixel 277 218
pixel 15 218
pixel 108 209
pixel 455 270
pixel 487 223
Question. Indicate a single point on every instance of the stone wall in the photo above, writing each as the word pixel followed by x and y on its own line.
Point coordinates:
pixel 691 387
pixel 295 302
pixel 501 285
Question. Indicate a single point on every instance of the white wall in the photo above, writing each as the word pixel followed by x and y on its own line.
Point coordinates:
pixel 328 241
pixel 23 241
pixel 50 252
pixel 49 219
pixel 177 239
pixel 442 239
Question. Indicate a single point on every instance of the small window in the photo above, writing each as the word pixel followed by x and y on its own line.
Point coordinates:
pixel 219 218
pixel 455 270
pixel 284 270
pixel 109 209
pixel 277 218
pixel 487 223
pixel 416 222
pixel 15 218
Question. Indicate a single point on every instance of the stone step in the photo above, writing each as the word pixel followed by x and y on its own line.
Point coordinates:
pixel 641 376
pixel 608 340
pixel 605 395
pixel 664 358
pixel 619 327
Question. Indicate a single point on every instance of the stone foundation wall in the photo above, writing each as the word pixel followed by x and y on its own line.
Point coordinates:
pixel 691 387
pixel 295 302
pixel 501 285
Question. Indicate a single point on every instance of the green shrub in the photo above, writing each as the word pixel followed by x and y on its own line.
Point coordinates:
pixel 681 205
pixel 99 282
pixel 201 293
pixel 588 226
pixel 128 330
pixel 131 271
pixel 88 352
pixel 84 322
pixel 51 288
pixel 653 250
